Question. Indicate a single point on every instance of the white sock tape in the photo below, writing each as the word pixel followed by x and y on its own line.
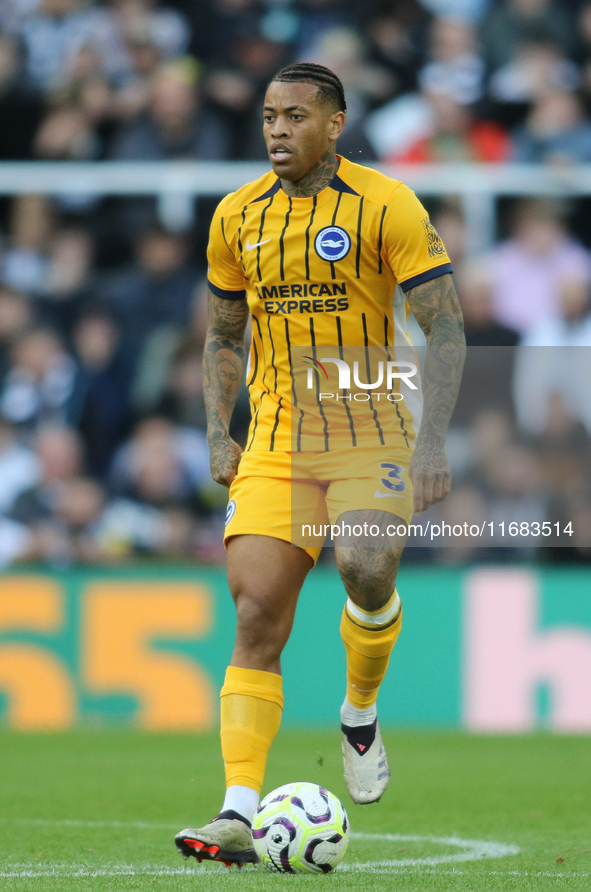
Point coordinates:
pixel 374 619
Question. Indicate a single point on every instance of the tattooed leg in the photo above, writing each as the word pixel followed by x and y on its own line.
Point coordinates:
pixel 370 625
pixel 369 564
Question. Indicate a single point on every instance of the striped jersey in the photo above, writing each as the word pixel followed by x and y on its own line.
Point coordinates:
pixel 321 275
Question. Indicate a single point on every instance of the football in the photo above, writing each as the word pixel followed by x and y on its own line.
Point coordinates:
pixel 301 828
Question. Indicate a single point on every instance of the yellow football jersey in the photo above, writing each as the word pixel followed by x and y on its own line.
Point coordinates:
pixel 323 272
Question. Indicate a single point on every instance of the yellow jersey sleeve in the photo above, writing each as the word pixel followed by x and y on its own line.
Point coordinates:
pixel 411 246
pixel 225 275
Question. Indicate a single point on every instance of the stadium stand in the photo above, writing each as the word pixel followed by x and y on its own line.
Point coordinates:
pixel 101 302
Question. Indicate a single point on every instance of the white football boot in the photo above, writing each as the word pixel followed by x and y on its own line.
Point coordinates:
pixel 367 773
pixel 225 839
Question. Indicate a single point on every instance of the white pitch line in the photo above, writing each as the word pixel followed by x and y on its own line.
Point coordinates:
pixel 473 850
pixel 83 870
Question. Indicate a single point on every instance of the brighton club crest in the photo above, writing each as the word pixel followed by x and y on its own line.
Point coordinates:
pixel 332 243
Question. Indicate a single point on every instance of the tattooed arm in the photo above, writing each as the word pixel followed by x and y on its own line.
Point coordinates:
pixel 437 310
pixel 224 364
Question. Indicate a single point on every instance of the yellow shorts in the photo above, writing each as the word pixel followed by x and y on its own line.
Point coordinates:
pixel 285 495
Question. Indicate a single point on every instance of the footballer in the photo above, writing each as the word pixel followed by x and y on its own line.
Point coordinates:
pixel 319 252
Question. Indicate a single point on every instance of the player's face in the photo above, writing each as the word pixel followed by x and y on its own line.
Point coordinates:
pixel 298 129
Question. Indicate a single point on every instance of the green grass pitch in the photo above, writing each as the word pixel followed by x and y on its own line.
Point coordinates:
pixel 97 810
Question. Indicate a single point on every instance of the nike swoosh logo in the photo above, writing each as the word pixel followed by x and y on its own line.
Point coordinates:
pixel 250 247
pixel 384 495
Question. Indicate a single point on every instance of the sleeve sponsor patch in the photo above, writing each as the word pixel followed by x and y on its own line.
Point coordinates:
pixel 434 243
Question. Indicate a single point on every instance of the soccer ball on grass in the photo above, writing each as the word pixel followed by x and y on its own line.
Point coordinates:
pixel 300 828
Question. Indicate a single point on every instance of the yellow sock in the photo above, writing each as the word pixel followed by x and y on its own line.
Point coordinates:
pixel 252 703
pixel 369 637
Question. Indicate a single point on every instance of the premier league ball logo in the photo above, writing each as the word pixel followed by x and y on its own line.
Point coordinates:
pixel 332 243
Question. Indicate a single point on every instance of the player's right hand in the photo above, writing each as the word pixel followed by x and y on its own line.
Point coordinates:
pixel 224 455
pixel 430 474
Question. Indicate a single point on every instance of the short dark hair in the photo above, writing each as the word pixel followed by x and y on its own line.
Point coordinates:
pixel 330 88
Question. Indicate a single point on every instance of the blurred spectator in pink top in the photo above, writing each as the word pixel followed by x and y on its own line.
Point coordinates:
pixel 526 271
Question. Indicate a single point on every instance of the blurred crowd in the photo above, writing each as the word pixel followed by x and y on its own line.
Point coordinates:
pixel 102 428
pixel 487 80
pixel 102 423
pixel 520 439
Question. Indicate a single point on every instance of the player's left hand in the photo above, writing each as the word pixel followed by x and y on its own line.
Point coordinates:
pixel 430 474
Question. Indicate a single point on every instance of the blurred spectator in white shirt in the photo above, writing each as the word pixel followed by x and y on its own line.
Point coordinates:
pixel 526 271
pixel 39 388
pixel 24 263
pixel 59 457
pixel 60 513
pixel 454 65
pixel 538 67
pixel 553 368
pixel 20 468
pixel 571 326
pixel 56 30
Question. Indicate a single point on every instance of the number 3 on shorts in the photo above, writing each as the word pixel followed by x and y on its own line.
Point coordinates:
pixel 393 480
